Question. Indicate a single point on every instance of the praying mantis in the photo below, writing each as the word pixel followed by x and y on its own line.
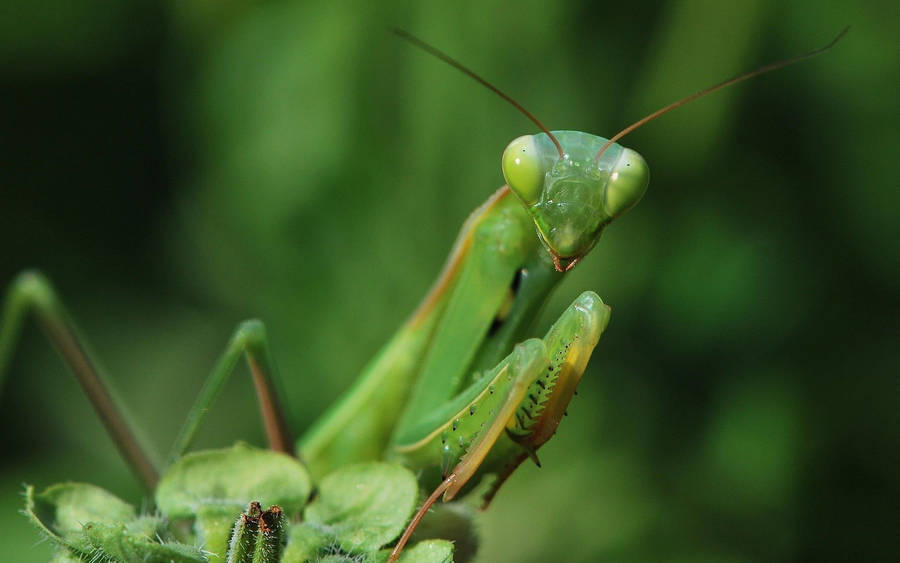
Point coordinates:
pixel 450 395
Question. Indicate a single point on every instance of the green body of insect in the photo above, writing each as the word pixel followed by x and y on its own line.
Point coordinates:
pixel 445 385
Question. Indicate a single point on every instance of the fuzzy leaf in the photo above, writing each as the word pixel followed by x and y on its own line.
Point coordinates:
pixel 115 542
pixel 426 551
pixel 63 555
pixel 89 523
pixel 231 478
pixel 213 527
pixel 304 542
pixel 364 506
pixel 66 507
pixel 61 510
pixel 455 522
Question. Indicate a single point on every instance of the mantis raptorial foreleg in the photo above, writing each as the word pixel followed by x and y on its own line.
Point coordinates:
pixel 31 291
pixel 502 419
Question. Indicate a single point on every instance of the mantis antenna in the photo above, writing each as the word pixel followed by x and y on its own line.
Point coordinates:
pixel 471 74
pixel 740 78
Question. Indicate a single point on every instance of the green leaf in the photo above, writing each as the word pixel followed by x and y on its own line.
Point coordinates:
pixel 231 478
pixel 304 542
pixel 66 507
pixel 88 522
pixel 339 558
pixel 426 551
pixel 364 506
pixel 213 527
pixel 150 526
pixel 63 555
pixel 116 542
pixel 452 521
pixel 61 510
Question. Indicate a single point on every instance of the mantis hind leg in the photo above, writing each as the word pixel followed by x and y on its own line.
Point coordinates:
pixel 31 292
pixel 248 339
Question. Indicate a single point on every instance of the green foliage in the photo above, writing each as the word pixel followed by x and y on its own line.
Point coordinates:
pixel 364 506
pixel 231 479
pixel 91 524
pixel 426 551
pixel 356 512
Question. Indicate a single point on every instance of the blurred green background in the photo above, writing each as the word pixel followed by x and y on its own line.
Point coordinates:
pixel 177 167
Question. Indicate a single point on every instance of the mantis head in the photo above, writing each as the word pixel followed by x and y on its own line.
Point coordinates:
pixel 573 193
pixel 574 184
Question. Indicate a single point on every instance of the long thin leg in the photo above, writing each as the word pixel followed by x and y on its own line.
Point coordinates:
pixel 249 338
pixel 31 291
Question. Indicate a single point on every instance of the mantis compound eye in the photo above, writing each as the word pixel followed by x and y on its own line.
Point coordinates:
pixel 523 168
pixel 628 181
